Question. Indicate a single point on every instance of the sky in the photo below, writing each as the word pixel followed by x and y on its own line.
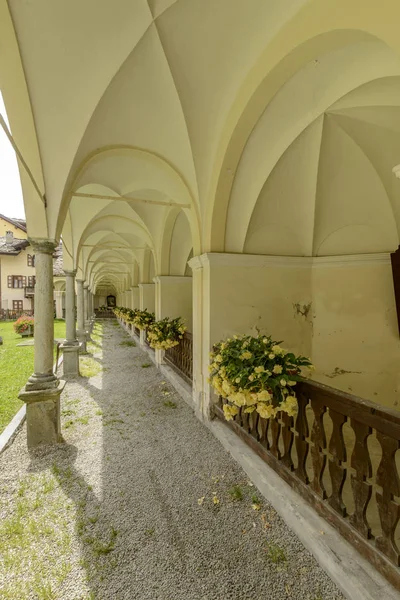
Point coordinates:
pixel 11 202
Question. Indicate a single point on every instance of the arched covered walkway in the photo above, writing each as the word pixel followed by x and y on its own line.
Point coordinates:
pixel 230 163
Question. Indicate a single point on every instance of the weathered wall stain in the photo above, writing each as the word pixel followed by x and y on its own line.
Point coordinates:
pixel 336 372
pixel 302 309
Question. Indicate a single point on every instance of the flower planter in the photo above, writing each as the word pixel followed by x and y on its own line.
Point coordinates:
pixel 27 333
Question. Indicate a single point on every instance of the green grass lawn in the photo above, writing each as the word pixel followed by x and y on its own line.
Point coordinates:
pixel 16 365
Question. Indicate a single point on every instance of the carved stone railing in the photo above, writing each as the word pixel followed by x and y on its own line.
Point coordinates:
pixel 180 357
pixel 341 454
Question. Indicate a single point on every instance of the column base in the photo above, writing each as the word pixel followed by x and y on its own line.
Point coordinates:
pixel 43 415
pixel 70 359
pixel 38 382
pixel 159 355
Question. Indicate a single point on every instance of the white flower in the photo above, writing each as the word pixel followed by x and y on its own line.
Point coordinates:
pixel 265 340
pixel 277 369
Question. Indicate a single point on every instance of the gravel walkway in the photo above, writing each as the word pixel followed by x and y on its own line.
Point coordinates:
pixel 140 502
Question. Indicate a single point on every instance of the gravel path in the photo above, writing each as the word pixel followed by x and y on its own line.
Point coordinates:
pixel 140 502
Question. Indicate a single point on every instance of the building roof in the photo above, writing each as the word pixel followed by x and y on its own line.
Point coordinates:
pixel 12 247
pixel 20 223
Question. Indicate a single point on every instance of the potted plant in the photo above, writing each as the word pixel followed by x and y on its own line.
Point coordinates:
pixel 143 319
pixel 256 373
pixel 166 333
pixel 24 326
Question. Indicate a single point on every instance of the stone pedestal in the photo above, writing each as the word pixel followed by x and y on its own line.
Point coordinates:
pixel 43 415
pixel 159 354
pixel 70 360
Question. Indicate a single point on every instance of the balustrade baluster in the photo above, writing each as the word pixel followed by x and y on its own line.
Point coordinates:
pixel 389 510
pixel 318 439
pixel 275 431
pixel 301 428
pixel 337 449
pixel 287 438
pixel 362 490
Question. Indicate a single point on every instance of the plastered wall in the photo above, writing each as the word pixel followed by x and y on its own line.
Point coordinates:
pixel 15 265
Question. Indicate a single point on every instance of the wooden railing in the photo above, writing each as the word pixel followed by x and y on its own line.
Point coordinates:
pixel 180 357
pixel 12 315
pixel 137 331
pixel 341 454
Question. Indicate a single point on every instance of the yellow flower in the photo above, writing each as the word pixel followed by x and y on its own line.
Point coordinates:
pixel 259 369
pixel 271 356
pixel 265 340
pixel 277 369
pixel 200 500
pixel 246 355
pixel 237 380
pixel 278 350
pixel 264 396
pixel 226 386
pixel 218 358
pixel 215 500
pixel 283 382
pixel 265 410
pixel 289 405
pixel 239 399
pixel 249 409
pixel 251 377
pixel 230 411
pixel 291 383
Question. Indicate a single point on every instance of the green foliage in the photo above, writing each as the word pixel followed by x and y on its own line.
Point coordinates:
pixel 130 343
pixel 275 553
pixel 236 493
pixel 16 366
pixel 170 404
pixel 23 324
pixel 144 319
pixel 166 333
pixel 255 372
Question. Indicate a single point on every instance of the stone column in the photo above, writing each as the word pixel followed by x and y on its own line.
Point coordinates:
pixel 81 314
pixel 71 345
pixel 86 304
pixel 135 296
pixel 58 297
pixel 43 389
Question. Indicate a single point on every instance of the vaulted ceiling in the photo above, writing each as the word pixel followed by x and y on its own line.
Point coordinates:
pixel 158 129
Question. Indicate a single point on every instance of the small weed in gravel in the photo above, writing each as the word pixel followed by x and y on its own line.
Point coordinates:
pixel 146 365
pixel 83 420
pixel 68 413
pixel 88 367
pixel 236 493
pixel 127 343
pixel 170 404
pixel 99 413
pixel 275 553
pixel 150 531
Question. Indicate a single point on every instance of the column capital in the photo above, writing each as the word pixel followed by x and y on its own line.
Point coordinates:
pixel 42 245
pixel 70 273
pixel 80 281
pixel 195 263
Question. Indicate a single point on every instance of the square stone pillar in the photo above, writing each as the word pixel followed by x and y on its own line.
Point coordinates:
pixel 70 346
pixel 43 389
pixel 58 297
pixel 246 294
pixel 135 297
pixel 146 301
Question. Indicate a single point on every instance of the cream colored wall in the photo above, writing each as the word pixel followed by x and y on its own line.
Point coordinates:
pixel 339 311
pixel 6 226
pixel 174 298
pixel 244 298
pixel 147 296
pixel 15 265
pixel 356 345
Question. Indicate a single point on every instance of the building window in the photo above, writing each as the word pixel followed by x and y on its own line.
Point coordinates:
pixel 31 281
pixel 16 281
pixel 31 260
pixel 17 305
